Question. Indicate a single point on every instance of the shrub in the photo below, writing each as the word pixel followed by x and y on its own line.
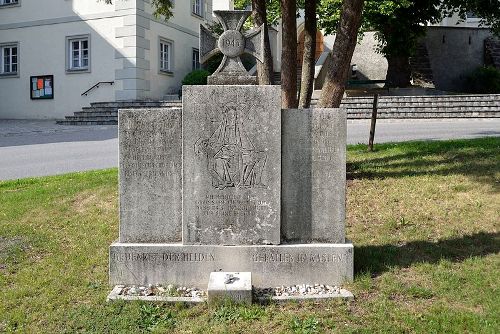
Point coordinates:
pixel 483 80
pixel 197 77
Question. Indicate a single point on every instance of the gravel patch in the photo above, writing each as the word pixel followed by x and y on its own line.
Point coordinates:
pixel 298 290
pixel 160 291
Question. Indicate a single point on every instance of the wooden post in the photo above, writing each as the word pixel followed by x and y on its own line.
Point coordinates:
pixel 373 122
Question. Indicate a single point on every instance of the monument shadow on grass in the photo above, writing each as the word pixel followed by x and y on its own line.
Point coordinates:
pixel 471 158
pixel 378 259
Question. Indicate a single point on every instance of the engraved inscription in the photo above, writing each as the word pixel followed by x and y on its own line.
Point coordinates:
pixel 298 258
pixel 230 205
pixel 163 257
pixel 152 154
pixel 232 43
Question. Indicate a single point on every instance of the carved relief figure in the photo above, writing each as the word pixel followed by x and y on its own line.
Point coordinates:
pixel 232 158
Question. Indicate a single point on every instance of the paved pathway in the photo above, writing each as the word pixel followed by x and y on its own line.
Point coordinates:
pixel 38 148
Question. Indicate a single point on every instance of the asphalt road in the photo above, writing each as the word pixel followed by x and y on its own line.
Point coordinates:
pixel 39 148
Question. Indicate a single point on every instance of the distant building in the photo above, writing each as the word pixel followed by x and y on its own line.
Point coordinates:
pixel 71 46
pixel 450 50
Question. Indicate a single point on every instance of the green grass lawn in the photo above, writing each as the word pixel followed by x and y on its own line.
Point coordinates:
pixel 423 216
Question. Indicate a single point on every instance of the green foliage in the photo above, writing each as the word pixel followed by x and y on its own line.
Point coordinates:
pixel 308 325
pixel 483 80
pixel 196 77
pixel 228 312
pixel 154 317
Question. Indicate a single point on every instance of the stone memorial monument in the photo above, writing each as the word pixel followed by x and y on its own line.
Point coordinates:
pixel 232 183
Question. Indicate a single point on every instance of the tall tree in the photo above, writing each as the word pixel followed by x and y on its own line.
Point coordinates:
pixel 309 61
pixel 265 69
pixel 343 49
pixel 289 54
pixel 399 27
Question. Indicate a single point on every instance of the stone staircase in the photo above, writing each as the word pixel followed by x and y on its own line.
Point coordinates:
pixel 420 65
pixel 277 77
pixel 106 113
pixel 438 106
pixel 492 52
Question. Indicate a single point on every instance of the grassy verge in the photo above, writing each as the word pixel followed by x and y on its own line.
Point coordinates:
pixel 424 217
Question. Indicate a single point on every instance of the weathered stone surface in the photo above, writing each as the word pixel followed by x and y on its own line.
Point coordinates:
pixel 235 79
pixel 150 175
pixel 191 265
pixel 314 175
pixel 232 43
pixel 232 165
pixel 236 287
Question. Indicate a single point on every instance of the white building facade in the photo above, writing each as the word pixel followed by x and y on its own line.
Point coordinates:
pixel 74 45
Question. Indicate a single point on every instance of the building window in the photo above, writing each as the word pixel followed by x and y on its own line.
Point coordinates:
pixel 8 2
pixel 198 7
pixel 472 17
pixel 165 56
pixel 9 60
pixel 196 59
pixel 78 53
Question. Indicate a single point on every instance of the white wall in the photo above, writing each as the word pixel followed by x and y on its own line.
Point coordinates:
pixel 183 30
pixel 124 49
pixel 223 4
pixel 42 51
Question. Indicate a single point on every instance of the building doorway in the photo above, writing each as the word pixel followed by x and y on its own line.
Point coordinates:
pixel 300 47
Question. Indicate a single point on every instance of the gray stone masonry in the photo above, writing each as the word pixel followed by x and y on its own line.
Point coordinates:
pixel 150 162
pixel 236 287
pixel 232 43
pixel 232 165
pixel 191 265
pixel 314 175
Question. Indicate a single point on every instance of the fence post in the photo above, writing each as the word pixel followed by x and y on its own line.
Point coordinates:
pixel 373 122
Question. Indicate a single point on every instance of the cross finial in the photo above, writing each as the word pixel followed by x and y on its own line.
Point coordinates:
pixel 232 43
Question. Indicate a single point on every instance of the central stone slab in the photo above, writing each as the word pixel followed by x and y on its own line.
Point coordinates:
pixel 231 165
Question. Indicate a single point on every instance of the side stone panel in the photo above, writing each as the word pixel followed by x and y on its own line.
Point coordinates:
pixel 150 175
pixel 314 175
pixel 231 164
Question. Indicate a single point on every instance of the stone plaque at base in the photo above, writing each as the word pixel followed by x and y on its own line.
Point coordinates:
pixel 231 165
pixel 150 175
pixel 270 265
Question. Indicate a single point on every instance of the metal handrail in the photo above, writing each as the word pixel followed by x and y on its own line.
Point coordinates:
pixel 97 86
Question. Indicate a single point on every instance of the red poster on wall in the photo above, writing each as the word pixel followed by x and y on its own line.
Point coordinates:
pixel 42 87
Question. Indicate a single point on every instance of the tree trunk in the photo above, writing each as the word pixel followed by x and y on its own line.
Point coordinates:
pixel 289 54
pixel 309 62
pixel 398 71
pixel 343 49
pixel 265 69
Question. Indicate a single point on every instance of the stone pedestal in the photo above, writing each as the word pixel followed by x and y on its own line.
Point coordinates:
pixel 191 265
pixel 238 186
pixel 232 286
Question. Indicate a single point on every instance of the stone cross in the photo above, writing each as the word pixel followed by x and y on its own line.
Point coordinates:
pixel 232 43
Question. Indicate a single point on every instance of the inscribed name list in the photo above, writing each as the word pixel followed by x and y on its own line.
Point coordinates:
pixel 150 175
